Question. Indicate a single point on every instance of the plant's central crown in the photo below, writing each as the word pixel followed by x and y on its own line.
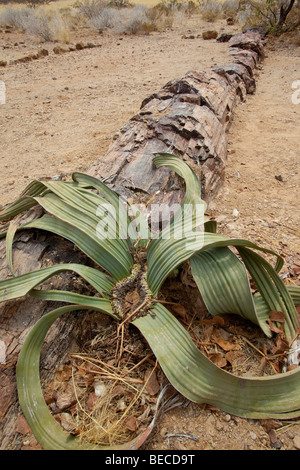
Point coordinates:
pixel 131 297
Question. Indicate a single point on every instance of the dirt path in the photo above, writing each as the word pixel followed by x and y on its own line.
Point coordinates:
pixel 263 157
pixel 62 112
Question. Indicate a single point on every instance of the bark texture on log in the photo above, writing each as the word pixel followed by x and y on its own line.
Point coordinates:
pixel 188 117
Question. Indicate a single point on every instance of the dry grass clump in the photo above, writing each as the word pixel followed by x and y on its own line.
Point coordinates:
pixel 49 26
pixel 211 11
pixel 126 18
pixel 117 410
pixel 112 392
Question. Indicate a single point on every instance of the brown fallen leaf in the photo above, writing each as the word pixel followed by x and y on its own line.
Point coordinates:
pixel 277 316
pixel 180 310
pixel 152 385
pixel 218 359
pixel 275 328
pixel 131 423
pixel 217 320
pixel 227 345
pixel 64 374
pixel 232 356
pixel 92 400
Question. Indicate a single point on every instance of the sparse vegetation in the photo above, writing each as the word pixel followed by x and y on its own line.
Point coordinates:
pixel 121 17
pixel 48 26
pixel 211 11
pixel 118 16
pixel 275 15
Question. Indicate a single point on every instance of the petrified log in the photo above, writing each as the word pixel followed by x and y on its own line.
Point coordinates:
pixel 188 117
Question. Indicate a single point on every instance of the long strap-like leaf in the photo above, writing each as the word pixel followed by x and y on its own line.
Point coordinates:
pixel 201 381
pixel 88 245
pixel 94 303
pixel 112 246
pixel 26 201
pixel 224 285
pixel 113 198
pixel 166 255
pixel 272 289
pixel 21 285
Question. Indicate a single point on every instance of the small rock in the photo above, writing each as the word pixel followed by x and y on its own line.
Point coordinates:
pixel 274 441
pixel 66 399
pixel 230 21
pixel 253 435
pixel 295 270
pixel 227 418
pixel 235 213
pixel 67 422
pixel 210 35
pixel 22 426
pixel 224 37
pixel 2 352
pixel 279 177
pixel 99 388
pixel 121 405
pixel 58 50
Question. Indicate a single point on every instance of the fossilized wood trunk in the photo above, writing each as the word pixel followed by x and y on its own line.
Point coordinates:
pixel 188 117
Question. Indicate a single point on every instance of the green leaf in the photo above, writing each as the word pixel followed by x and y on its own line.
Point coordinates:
pixel 94 303
pixel 201 381
pixel 114 258
pixel 117 201
pixel 224 285
pixel 262 307
pixel 167 254
pixel 86 244
pixel 12 228
pixel 190 216
pixel 21 285
pixel 272 289
pixel 192 183
pixel 26 201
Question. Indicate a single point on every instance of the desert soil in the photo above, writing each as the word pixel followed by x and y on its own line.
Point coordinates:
pixel 62 112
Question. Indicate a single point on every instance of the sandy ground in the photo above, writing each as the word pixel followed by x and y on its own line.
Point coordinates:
pixel 62 111
pixel 61 114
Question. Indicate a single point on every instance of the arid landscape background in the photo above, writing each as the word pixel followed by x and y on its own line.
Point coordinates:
pixel 63 109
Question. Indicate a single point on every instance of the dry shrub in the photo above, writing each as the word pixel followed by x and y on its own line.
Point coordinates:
pixel 211 11
pixel 138 19
pixel 90 8
pixel 37 22
pixel 18 18
pixel 230 8
pixel 271 14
